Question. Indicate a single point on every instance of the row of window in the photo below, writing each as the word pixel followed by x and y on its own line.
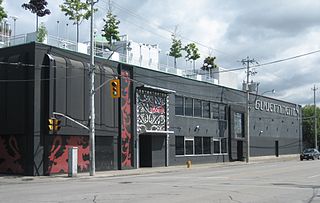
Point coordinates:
pixel 200 145
pixel 187 106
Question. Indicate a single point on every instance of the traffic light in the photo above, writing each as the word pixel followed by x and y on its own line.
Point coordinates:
pixel 54 124
pixel 115 88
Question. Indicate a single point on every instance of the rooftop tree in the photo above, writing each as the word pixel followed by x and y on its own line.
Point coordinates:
pixel 192 53
pixel 3 13
pixel 111 28
pixel 209 64
pixel 77 11
pixel 175 49
pixel 37 7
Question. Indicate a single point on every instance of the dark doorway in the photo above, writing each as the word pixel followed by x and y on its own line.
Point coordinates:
pixel 145 150
pixel 240 150
pixel 276 145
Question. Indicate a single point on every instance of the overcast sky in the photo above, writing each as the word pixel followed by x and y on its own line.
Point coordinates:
pixel 230 30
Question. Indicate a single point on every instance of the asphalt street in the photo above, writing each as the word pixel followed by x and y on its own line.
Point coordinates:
pixel 281 181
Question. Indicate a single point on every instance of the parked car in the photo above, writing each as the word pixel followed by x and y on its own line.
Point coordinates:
pixel 310 153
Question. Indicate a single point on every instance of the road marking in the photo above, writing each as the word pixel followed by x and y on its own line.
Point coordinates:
pixel 314 176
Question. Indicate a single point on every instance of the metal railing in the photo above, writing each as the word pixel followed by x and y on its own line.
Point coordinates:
pixel 199 75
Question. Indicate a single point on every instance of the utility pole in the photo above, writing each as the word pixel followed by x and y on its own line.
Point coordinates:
pixel 314 89
pixel 91 101
pixel 247 62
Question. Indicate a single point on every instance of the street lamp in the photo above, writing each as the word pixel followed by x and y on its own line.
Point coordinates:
pixel 15 18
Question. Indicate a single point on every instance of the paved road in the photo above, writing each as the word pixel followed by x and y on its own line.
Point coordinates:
pixel 289 181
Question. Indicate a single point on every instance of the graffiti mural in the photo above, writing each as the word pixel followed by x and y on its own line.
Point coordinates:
pixel 58 154
pixel 126 135
pixel 10 155
pixel 151 111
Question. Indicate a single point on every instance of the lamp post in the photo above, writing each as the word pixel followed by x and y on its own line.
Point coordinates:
pixel 15 18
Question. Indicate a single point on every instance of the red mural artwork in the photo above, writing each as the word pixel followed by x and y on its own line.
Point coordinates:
pixel 10 156
pixel 58 155
pixel 126 121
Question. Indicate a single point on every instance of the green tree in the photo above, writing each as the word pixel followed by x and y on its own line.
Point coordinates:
pixel 192 53
pixel 175 49
pixel 209 64
pixel 77 11
pixel 37 7
pixel 111 28
pixel 42 33
pixel 308 125
pixel 3 13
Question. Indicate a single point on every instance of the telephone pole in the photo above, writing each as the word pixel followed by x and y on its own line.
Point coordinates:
pixel 314 89
pixel 247 62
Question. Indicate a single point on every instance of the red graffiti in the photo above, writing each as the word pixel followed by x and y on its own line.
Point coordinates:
pixel 58 155
pixel 9 162
pixel 126 121
pixel 83 150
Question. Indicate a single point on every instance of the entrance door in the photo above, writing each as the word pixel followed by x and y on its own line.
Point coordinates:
pixel 240 150
pixel 276 146
pixel 145 150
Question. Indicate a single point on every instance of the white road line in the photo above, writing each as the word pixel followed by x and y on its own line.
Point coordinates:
pixel 313 176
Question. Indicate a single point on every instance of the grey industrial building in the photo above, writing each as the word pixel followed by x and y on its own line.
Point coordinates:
pixel 161 119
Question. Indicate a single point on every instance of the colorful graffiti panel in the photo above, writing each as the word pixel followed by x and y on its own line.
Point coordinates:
pixel 11 155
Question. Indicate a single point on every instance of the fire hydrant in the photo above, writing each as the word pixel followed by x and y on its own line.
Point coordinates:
pixel 189 163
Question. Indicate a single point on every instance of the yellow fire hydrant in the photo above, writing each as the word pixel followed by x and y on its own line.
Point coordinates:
pixel 189 163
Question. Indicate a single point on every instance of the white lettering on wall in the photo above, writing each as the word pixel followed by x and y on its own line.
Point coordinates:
pixel 276 108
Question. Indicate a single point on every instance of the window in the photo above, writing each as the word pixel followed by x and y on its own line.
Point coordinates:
pixel 206 145
pixel 198 145
pixel 239 125
pixel 189 146
pixel 214 110
pixel 224 145
pixel 179 145
pixel 222 112
pixel 206 109
pixel 188 106
pixel 179 105
pixel 220 146
pixel 194 146
pixel 197 108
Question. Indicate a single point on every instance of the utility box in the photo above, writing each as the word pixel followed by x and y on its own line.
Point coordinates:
pixel 72 161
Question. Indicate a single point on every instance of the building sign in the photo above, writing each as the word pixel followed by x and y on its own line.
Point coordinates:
pixel 276 108
pixel 151 111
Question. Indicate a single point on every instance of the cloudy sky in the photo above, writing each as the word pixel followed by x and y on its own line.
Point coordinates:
pixel 230 30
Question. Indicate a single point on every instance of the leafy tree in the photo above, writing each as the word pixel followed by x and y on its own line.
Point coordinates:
pixel 77 12
pixel 37 7
pixel 3 13
pixel 192 53
pixel 111 27
pixel 42 33
pixel 209 64
pixel 175 49
pixel 308 125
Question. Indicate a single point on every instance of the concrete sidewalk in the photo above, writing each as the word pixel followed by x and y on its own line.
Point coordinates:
pixel 7 179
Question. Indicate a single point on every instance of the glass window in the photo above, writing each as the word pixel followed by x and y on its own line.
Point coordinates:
pixel 222 111
pixel 197 108
pixel 238 124
pixel 179 145
pixel 179 105
pixel 188 106
pixel 216 146
pixel 189 147
pixel 224 145
pixel 214 110
pixel 198 145
pixel 206 109
pixel 206 145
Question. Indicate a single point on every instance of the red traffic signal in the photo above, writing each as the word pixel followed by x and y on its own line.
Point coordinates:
pixel 115 88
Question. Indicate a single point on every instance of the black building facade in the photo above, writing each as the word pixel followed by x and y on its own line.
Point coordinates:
pixel 161 119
